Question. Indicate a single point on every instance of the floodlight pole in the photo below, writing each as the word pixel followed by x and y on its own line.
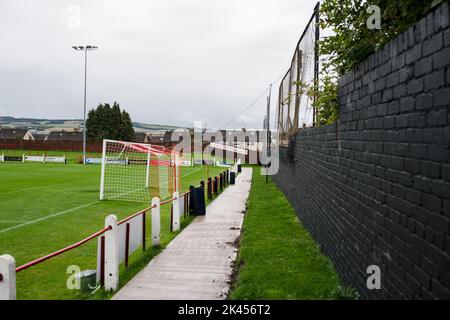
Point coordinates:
pixel 85 49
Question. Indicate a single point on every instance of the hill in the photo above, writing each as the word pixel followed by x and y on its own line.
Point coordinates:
pixel 67 124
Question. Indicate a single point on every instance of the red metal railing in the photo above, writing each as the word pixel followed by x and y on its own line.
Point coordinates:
pixel 92 236
pixel 61 251
pixel 135 215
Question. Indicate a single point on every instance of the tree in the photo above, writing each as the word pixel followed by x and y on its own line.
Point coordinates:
pixel 352 40
pixel 106 122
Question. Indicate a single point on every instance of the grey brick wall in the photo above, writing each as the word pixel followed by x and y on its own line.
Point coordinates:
pixel 374 188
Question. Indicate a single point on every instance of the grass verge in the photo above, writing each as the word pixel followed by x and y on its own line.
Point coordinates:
pixel 278 259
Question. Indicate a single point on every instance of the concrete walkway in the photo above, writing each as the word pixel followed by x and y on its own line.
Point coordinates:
pixel 197 264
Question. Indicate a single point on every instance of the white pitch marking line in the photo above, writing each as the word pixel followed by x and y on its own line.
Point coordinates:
pixel 48 217
pixel 66 211
pixel 9 221
pixel 37 187
pixel 188 174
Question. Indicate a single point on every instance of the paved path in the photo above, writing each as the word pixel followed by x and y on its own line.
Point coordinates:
pixel 197 264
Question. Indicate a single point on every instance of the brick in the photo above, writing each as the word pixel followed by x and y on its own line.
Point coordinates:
pixel 412 165
pixel 406 104
pixel 447 38
pixel 393 79
pixel 441 97
pixel 435 80
pixel 422 277
pixel 420 214
pixel 397 163
pixel 422 183
pixel 385 69
pixel 413 284
pixel 414 196
pixel 441 59
pixel 418 151
pixel 380 84
pixel 423 66
pixel 387 95
pixel 417 120
pixel 431 203
pixel 437 118
pixel 414 54
pixel 445 172
pixel 401 121
pixel 405 74
pixel 439 222
pixel 381 109
pixel 446 208
pixel 433 45
pixel 437 153
pixel 441 17
pixel 398 62
pixel 399 91
pixel 439 290
pixel 415 86
pixel 441 189
pixel 429 267
pixel 396 149
pixel 411 37
pixel 430 169
pixel 393 107
pixel 389 122
pixel 424 101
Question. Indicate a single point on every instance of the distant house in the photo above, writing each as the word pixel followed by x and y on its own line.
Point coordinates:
pixel 40 136
pixel 141 137
pixel 14 134
pixel 65 136
pixel 157 139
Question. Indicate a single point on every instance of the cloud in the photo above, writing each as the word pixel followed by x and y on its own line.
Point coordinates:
pixel 165 61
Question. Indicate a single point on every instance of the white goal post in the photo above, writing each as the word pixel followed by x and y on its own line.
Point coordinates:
pixel 137 172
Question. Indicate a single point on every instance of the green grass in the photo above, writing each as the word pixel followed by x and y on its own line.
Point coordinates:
pixel 65 198
pixel 278 259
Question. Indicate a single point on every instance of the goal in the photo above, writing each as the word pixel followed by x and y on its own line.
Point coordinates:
pixel 137 172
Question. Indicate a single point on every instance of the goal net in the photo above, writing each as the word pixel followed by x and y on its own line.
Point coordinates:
pixel 137 172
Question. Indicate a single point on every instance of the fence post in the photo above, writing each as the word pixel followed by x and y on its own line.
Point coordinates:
pixel 111 254
pixel 156 221
pixel 209 188
pixel 215 186
pixel 7 277
pixel 176 211
pixel 191 199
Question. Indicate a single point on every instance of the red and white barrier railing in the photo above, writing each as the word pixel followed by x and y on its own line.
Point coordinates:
pixel 116 242
pixel 118 239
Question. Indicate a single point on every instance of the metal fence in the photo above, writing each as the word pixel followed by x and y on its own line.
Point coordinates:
pixel 295 105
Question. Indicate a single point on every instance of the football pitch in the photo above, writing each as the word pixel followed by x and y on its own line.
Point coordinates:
pixel 45 207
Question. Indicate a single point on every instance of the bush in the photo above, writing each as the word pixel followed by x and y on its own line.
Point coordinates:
pixel 353 41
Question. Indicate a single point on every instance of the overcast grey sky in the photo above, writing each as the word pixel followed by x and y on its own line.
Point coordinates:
pixel 165 61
